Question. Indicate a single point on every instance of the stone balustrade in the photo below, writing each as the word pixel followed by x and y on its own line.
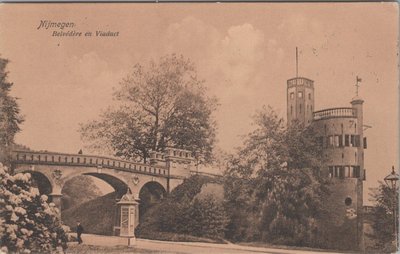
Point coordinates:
pixel 334 113
pixel 49 158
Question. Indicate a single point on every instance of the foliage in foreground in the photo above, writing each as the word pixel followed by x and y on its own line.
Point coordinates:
pixel 27 221
pixel 10 117
pixel 383 222
pixel 184 212
pixel 273 190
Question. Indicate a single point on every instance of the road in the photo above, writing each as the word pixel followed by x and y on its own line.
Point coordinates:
pixel 187 247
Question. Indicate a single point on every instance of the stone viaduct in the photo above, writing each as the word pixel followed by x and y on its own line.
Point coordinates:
pixel 52 170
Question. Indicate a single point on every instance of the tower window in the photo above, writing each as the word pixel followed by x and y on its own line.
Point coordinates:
pixel 357 140
pixel 348 201
pixel 300 109
pixel 336 172
pixel 356 171
pixel 291 109
pixel 340 137
pixel 330 168
pixel 309 96
pixel 339 172
pixel 336 140
pixel 300 94
pixel 346 171
pixel 292 96
pixel 354 140
pixel 330 141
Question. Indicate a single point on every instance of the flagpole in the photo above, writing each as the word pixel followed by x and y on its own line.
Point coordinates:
pixel 297 64
pixel 357 85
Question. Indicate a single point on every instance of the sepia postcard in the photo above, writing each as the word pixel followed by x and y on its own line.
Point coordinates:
pixel 257 127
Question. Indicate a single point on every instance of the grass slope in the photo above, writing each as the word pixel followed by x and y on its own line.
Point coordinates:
pixel 96 216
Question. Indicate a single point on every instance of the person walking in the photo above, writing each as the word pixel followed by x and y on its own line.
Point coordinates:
pixel 79 231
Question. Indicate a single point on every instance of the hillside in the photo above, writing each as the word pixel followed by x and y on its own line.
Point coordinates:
pixel 97 216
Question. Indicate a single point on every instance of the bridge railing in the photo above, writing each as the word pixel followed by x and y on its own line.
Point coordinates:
pixel 213 178
pixel 335 112
pixel 47 158
pixel 201 173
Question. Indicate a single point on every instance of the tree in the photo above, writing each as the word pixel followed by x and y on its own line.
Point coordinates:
pixel 163 104
pixel 186 212
pixel 208 218
pixel 382 217
pixel 273 184
pixel 27 221
pixel 79 190
pixel 10 117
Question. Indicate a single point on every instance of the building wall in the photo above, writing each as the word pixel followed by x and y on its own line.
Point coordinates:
pixel 345 226
pixel 336 138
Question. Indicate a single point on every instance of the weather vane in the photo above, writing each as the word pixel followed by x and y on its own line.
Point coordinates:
pixel 358 80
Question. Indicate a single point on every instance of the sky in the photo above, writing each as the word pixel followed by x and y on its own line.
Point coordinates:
pixel 244 52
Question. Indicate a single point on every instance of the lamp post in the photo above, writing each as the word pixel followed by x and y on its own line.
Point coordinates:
pixel 391 181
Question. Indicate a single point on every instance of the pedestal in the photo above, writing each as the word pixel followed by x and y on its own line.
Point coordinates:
pixel 131 241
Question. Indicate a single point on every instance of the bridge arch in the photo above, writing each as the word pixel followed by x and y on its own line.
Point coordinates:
pixel 150 193
pixel 116 181
pixel 41 181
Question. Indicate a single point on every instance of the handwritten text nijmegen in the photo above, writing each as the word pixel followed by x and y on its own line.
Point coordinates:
pixel 60 26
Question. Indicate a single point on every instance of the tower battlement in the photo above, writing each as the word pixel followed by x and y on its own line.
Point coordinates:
pixel 300 81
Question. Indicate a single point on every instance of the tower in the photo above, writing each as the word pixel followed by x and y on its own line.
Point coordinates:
pixel 341 135
pixel 300 99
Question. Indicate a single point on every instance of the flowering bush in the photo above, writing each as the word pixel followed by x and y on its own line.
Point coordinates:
pixel 28 223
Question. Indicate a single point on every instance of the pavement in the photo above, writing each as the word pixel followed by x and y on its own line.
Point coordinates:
pixel 186 247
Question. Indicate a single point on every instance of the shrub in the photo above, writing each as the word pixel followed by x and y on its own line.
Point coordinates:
pixel 27 221
pixel 207 218
pixel 184 212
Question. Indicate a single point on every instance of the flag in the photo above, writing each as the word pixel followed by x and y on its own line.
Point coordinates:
pixel 359 79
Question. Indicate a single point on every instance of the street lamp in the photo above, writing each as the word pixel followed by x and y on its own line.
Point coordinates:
pixel 391 181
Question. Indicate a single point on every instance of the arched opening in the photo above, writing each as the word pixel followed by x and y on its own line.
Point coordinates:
pixel 119 186
pixel 150 194
pixel 41 182
pixel 91 199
